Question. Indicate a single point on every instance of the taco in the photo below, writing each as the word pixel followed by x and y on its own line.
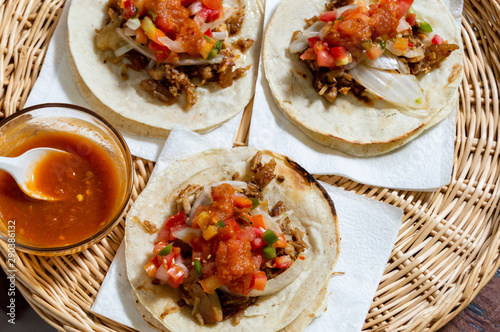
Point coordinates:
pixel 363 78
pixel 231 239
pixel 149 64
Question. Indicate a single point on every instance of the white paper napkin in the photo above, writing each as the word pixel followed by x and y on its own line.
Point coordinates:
pixel 368 230
pixel 426 163
pixel 55 84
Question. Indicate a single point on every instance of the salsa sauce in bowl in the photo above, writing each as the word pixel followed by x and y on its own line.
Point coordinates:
pixel 84 183
pixel 91 184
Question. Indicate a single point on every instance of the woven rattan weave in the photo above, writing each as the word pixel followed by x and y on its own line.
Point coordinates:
pixel 448 245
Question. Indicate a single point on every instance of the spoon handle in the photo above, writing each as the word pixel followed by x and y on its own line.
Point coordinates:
pixel 13 167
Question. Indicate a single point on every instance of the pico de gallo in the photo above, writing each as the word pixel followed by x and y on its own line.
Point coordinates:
pixel 352 47
pixel 181 44
pixel 224 243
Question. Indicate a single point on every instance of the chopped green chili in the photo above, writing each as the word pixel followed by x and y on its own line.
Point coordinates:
pixel 269 237
pixel 197 266
pixel 269 252
pixel 424 26
pixel 255 202
pixel 165 251
pixel 151 13
pixel 383 44
pixel 215 50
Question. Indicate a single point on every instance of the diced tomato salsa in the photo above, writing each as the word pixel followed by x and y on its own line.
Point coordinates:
pixel 173 19
pixel 233 256
pixel 356 30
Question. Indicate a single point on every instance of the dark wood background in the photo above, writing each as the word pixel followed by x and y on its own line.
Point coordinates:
pixel 483 313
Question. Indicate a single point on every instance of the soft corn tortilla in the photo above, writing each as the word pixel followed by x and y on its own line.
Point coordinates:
pixel 126 105
pixel 348 124
pixel 292 307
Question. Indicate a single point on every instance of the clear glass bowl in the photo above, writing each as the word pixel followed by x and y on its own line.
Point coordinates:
pixel 23 125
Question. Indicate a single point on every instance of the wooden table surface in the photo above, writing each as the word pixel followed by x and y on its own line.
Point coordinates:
pixel 483 313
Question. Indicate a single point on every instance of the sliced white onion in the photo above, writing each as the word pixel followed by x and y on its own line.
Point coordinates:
pixel 198 61
pixel 220 35
pixel 414 52
pixel 186 234
pixel 398 89
pixel 271 222
pixel 301 43
pixel 135 45
pixel 276 284
pixel 316 26
pixel 200 19
pixel 179 261
pixel 204 198
pixel 351 64
pixel 195 7
pixel 162 274
pixel 387 61
pixel 281 281
pixel 151 64
pixel 173 45
pixel 133 23
pixel 122 50
pixel 403 67
pixel 322 33
pixel 403 25
pixel 228 12
pixel 128 32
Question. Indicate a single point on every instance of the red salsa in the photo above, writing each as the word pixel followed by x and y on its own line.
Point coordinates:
pixel 173 19
pixel 84 183
pixel 227 243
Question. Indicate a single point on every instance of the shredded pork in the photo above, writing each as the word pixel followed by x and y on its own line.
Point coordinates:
pixel 206 307
pixel 433 55
pixel 187 196
pixel 235 22
pixel 334 4
pixel 233 304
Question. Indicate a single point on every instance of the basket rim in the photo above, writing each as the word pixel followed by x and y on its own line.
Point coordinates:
pixel 449 214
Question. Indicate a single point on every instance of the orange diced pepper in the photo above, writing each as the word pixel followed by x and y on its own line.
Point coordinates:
pixel 281 243
pixel 150 269
pixel 259 221
pixel 374 51
pixel 210 232
pixel 401 44
pixel 173 57
pixel 283 261
pixel 140 36
pixel 202 220
pixel 207 47
pixel 242 202
pixel 151 31
pixel 210 284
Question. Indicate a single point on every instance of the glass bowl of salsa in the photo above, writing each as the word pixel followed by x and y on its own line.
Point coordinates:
pixel 91 184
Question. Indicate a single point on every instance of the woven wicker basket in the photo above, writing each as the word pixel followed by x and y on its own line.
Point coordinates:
pixel 448 245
